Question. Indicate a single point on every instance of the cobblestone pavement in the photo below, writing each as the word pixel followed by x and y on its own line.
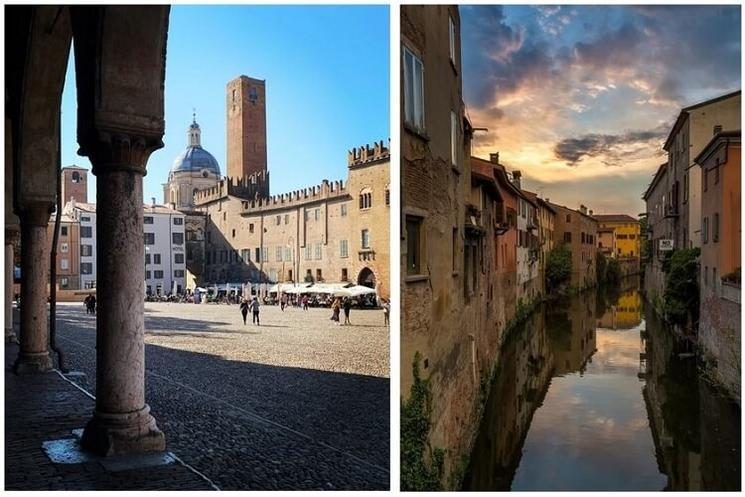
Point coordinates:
pixel 41 408
pixel 296 403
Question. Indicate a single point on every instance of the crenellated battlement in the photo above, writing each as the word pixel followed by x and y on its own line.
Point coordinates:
pixel 247 188
pixel 326 190
pixel 366 154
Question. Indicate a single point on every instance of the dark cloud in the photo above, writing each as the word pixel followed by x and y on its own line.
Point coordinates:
pixel 606 147
pixel 615 49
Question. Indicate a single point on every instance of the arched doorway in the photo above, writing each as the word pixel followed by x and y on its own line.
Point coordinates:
pixel 366 278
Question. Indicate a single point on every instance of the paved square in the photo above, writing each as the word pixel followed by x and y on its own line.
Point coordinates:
pixel 295 403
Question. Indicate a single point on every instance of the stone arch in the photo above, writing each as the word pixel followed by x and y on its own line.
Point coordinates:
pixel 366 277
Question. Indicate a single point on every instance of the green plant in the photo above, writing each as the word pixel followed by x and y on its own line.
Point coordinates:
pixel 601 264
pixel 416 473
pixel 613 273
pixel 681 299
pixel 733 277
pixel 558 267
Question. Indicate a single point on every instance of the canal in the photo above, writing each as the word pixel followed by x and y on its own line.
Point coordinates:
pixel 593 393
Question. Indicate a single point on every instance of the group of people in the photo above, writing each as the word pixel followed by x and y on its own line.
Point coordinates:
pixel 252 306
pixel 90 304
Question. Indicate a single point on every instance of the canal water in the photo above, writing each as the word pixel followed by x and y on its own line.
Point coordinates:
pixel 594 393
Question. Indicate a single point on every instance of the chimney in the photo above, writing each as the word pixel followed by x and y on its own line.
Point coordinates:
pixel 152 200
pixel 591 212
pixel 583 209
pixel 494 158
pixel 516 179
pixel 547 200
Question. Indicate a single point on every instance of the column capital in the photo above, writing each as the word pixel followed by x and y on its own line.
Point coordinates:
pixel 35 213
pixel 121 150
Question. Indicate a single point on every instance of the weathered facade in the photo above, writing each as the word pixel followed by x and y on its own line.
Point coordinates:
pixel 445 225
pixel 626 240
pixel 721 308
pixel 578 230
pixel 660 226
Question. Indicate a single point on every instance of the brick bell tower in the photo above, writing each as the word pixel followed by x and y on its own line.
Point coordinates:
pixel 246 117
pixel 74 184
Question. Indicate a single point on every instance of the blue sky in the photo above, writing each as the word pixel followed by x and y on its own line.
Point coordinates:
pixel 580 98
pixel 327 73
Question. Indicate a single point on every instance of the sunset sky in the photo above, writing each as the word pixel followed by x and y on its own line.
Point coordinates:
pixel 581 98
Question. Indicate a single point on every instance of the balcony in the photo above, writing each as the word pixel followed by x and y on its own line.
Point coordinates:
pixel 473 223
pixel 671 211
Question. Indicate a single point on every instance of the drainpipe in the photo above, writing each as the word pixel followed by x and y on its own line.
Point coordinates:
pixel 53 268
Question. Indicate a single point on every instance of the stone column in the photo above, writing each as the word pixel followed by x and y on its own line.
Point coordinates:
pixel 33 356
pixel 122 422
pixel 10 335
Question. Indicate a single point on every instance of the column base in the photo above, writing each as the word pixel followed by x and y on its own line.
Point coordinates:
pixel 110 434
pixel 27 363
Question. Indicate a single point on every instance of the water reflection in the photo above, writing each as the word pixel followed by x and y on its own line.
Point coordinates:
pixel 587 397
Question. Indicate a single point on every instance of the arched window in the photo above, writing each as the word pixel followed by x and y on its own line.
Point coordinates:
pixel 75 177
pixel 365 199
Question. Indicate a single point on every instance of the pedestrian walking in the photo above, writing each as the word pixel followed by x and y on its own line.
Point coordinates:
pixel 335 308
pixel 386 311
pixel 90 304
pixel 347 308
pixel 255 311
pixel 305 303
pixel 244 309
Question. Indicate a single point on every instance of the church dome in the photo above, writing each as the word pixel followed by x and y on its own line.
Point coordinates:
pixel 195 159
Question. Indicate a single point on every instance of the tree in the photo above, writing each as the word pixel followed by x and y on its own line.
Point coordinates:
pixel 558 267
pixel 613 273
pixel 681 289
pixel 601 265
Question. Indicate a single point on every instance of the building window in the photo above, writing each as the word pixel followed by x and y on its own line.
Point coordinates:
pixel 288 254
pixel 717 129
pixel 413 244
pixel 63 230
pixel 308 252
pixel 365 199
pixel 706 179
pixel 279 220
pixel 318 251
pixel 148 220
pixel 86 232
pixel 317 214
pixel 387 196
pixel 413 90
pixel 178 221
pixel 344 274
pixel 178 273
pixel 86 268
pixel 715 228
pixel 178 258
pixel 147 275
pixel 706 275
pixel 64 282
pixel 158 274
pixel 453 138
pixel 705 230
pixel 343 248
pixel 149 238
pixel 258 254
pixel 365 239
pixel 278 254
pixel 246 255
pixel 569 218
pixel 178 238
pixel 156 258
pixel 451 31
pixel 147 259
pixel 319 275
pixel 265 254
pixel 64 248
pixel 85 218
pixel 251 228
pixel 75 177
pixel 343 210
pixel 64 264
pixel 86 250
pixel 567 237
pixel 287 219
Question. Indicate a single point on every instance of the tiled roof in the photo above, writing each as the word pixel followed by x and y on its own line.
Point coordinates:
pixel 615 218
